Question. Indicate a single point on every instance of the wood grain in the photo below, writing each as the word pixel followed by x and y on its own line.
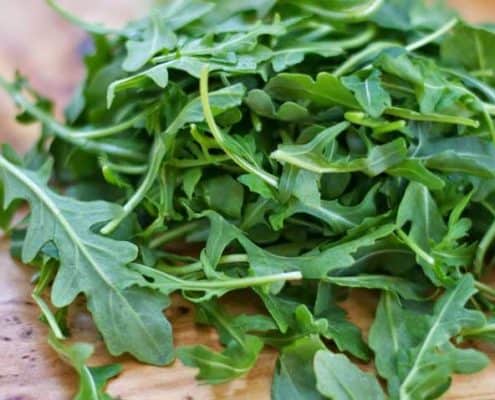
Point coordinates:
pixel 47 49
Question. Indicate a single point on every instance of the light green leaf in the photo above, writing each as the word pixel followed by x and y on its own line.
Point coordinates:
pixel 337 378
pixel 370 94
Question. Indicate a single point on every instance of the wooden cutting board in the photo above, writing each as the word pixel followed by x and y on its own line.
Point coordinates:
pixel 47 49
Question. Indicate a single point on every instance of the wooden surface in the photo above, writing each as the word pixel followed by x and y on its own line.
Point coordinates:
pixel 42 46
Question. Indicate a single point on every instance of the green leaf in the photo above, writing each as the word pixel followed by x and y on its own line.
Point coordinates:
pixel 408 15
pixel 240 353
pixel 342 10
pixel 129 317
pixel 415 170
pixel 190 180
pixel 339 218
pixel 405 288
pixel 469 47
pixel 294 377
pixel 467 155
pixel 370 94
pixel 261 103
pixel 346 335
pixel 397 62
pixel 221 100
pixel 326 90
pixel 158 75
pixel 215 368
pixel 294 53
pixel 427 225
pixel 256 185
pixel 155 37
pixel 92 380
pixel 378 160
pixel 313 265
pixel 338 378
pixel 215 190
pixel 413 348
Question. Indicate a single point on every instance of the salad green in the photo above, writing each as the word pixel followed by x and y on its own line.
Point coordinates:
pixel 310 150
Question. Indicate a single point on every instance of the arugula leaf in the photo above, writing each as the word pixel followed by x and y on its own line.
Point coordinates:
pixel 155 37
pixel 326 90
pixel 427 225
pixel 338 378
pixel 238 357
pixel 407 15
pixel 468 47
pixel 291 150
pixel 92 379
pixel 129 318
pixel 261 103
pixel 343 11
pixel 313 265
pixel 370 94
pixel 468 155
pixel 421 358
pixel 339 218
pixel 294 376
pixel 340 329
pixel 221 100
pixel 378 160
pixel 400 286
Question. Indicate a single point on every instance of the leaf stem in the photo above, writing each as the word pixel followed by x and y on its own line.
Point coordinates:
pixel 218 135
pixel 478 331
pixel 483 247
pixel 202 285
pixel 190 163
pixel 354 13
pixel 482 287
pixel 431 117
pixel 125 168
pixel 87 26
pixel 67 134
pixel 174 233
pixel 111 130
pixel 198 266
pixel 358 40
pixel 361 56
pixel 433 36
pixel 414 247
pixel 156 157
pixel 50 318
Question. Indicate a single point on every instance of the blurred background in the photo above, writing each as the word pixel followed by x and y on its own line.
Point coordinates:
pixel 47 49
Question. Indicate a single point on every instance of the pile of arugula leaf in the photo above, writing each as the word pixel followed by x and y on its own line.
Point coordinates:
pixel 305 151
